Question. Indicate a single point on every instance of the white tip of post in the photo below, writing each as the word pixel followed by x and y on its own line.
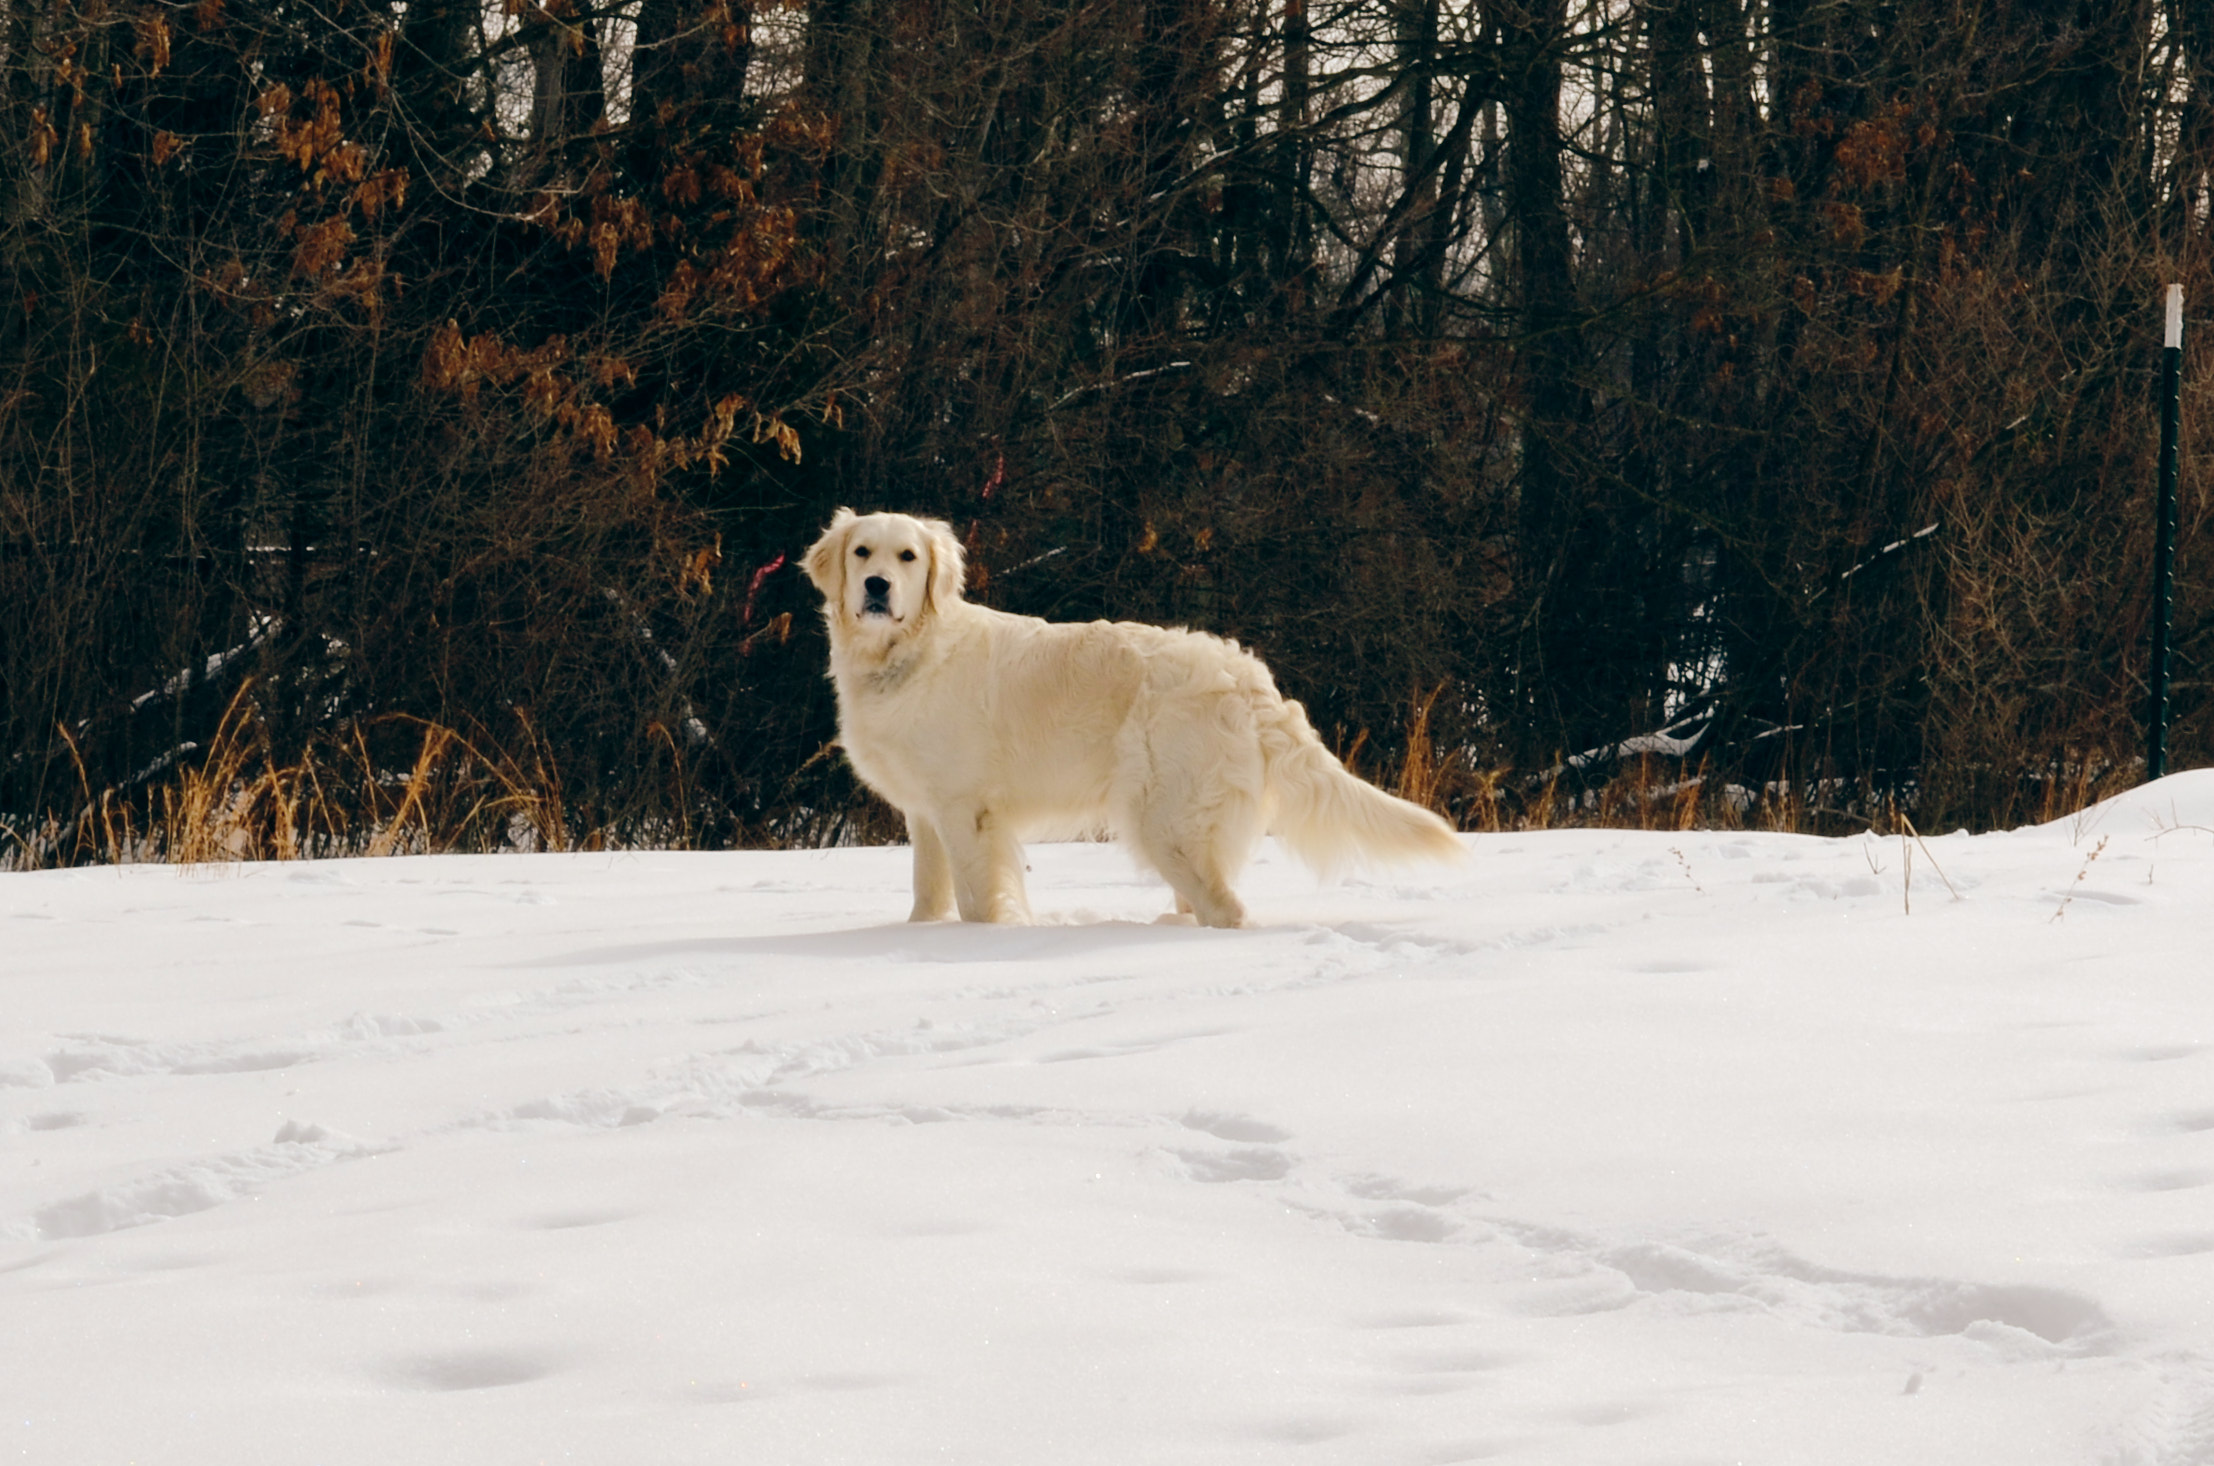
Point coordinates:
pixel 2175 318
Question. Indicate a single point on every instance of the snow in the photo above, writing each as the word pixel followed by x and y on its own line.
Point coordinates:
pixel 1607 1146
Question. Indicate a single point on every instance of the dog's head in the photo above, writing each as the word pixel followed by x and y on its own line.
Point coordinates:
pixel 884 574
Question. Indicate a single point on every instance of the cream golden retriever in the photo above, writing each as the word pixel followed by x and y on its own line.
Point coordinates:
pixel 985 729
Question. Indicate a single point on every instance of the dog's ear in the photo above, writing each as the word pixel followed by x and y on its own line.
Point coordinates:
pixel 949 566
pixel 824 562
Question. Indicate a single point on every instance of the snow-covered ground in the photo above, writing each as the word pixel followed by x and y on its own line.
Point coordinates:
pixel 1605 1147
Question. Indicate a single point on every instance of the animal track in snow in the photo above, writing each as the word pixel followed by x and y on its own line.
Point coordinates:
pixel 2161 1053
pixel 1577 1274
pixel 1403 1224
pixel 2173 1178
pixel 1159 1277
pixel 1125 1048
pixel 2171 1244
pixel 1250 1163
pixel 98 1056
pixel 24 1073
pixel 1304 1430
pixel 92 1057
pixel 2176 1427
pixel 2019 1320
pixel 1389 1188
pixel 469 1369
pixel 1428 1318
pixel 1234 1127
pixel 192 1186
pixel 1393 941
pixel 569 1221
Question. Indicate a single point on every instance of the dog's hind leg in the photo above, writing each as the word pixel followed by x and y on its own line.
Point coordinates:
pixel 986 861
pixel 1197 861
pixel 1191 782
pixel 1201 888
pixel 933 872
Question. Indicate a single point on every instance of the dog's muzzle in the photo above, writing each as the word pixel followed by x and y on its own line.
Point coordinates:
pixel 876 593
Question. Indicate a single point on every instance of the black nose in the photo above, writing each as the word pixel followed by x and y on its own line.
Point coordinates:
pixel 876 585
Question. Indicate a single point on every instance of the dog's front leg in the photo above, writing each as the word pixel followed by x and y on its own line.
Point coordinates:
pixel 933 872
pixel 987 867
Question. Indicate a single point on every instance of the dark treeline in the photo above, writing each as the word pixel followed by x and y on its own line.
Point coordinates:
pixel 442 390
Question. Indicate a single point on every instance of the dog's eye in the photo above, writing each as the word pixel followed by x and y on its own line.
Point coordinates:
pixel 907 554
pixel 861 552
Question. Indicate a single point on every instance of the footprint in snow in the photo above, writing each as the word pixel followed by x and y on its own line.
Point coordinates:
pixel 1238 1128
pixel 2160 1053
pixel 2179 1178
pixel 468 1369
pixel 2172 1244
pixel 1252 1163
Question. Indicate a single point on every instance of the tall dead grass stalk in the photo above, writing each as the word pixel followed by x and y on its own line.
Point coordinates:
pixel 397 785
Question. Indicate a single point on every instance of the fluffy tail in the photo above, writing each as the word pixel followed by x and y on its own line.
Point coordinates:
pixel 1331 819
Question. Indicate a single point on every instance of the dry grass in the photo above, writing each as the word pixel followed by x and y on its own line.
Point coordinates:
pixel 1653 792
pixel 409 786
pixel 237 799
pixel 1645 793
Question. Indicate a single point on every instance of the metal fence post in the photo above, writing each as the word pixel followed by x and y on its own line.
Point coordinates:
pixel 2164 538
